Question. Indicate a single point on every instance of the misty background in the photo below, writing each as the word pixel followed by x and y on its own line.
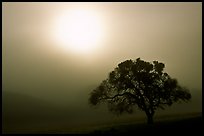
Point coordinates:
pixel 42 80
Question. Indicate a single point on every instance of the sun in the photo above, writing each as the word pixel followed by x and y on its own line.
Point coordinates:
pixel 79 30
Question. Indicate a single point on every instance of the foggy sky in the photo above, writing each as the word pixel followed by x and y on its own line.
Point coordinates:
pixel 33 63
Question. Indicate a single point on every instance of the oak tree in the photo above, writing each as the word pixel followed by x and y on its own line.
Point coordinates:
pixel 139 84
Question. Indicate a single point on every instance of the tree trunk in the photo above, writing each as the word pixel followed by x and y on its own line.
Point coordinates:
pixel 150 119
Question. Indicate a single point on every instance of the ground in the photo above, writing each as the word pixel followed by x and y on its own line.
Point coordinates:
pixel 170 124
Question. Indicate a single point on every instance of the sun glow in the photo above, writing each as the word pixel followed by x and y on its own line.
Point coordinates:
pixel 79 30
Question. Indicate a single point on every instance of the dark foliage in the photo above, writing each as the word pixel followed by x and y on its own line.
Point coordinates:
pixel 139 84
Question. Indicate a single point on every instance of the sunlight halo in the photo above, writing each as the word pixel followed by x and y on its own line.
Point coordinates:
pixel 79 30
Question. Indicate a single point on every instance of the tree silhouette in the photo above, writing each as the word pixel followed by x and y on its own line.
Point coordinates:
pixel 139 84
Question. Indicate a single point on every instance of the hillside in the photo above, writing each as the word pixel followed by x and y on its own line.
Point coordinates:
pixel 27 114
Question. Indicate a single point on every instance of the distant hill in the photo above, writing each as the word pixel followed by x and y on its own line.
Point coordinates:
pixel 22 107
pixel 26 113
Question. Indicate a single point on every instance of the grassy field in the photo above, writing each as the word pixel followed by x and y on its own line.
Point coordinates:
pixel 23 114
pixel 170 123
pixel 164 124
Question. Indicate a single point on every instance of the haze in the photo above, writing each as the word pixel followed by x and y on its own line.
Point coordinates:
pixel 35 64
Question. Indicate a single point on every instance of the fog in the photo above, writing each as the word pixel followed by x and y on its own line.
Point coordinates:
pixel 34 65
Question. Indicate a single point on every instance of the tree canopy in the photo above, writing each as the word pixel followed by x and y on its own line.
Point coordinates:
pixel 139 84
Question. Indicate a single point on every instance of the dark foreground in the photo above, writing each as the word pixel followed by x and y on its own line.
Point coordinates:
pixel 191 125
pixel 181 125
